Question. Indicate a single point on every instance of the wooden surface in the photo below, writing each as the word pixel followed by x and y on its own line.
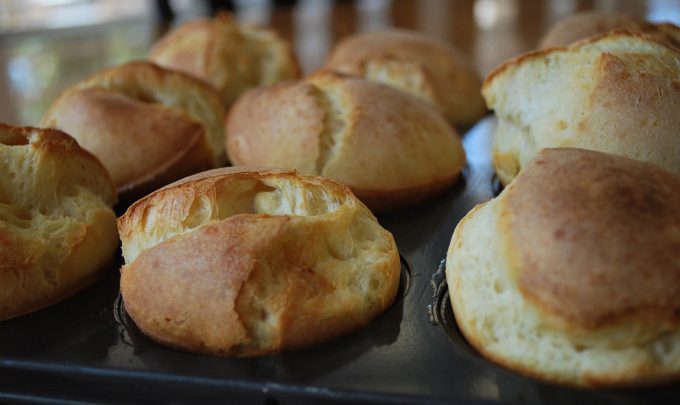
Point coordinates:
pixel 42 54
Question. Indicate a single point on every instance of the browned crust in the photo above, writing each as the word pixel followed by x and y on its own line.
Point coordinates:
pixel 214 62
pixel 195 154
pixel 129 68
pixel 195 158
pixel 188 26
pixel 587 24
pixel 202 181
pixel 298 106
pixel 287 49
pixel 593 208
pixel 450 81
pixel 55 141
pixel 638 375
pixel 538 54
pixel 201 273
pixel 212 289
pixel 216 272
pixel 583 25
pixel 167 146
pixel 672 28
pixel 359 132
pixel 76 271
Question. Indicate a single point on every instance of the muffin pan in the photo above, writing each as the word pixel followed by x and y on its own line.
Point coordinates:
pixel 87 349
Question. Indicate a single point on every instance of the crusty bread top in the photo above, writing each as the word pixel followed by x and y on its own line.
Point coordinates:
pixel 356 51
pixel 666 32
pixel 571 274
pixel 230 57
pixel 246 262
pixel 599 247
pixel 220 193
pixel 145 84
pixel 617 93
pixel 361 133
pixel 148 125
pixel 61 160
pixel 57 227
pixel 615 42
pixel 588 24
pixel 137 141
pixel 291 116
pixel 387 138
pixel 414 62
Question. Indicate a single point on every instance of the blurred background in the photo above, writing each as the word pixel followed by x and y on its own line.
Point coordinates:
pixel 47 45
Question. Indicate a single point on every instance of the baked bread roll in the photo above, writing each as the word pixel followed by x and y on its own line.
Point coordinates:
pixel 230 57
pixel 573 273
pixel 389 147
pixel 418 64
pixel 593 23
pixel 57 227
pixel 149 126
pixel 244 263
pixel 618 93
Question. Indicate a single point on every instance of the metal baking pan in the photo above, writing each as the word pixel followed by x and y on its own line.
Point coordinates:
pixel 86 349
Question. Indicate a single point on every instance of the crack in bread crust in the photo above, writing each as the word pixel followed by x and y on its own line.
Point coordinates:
pixel 300 260
pixel 335 126
pixel 617 93
pixel 57 227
